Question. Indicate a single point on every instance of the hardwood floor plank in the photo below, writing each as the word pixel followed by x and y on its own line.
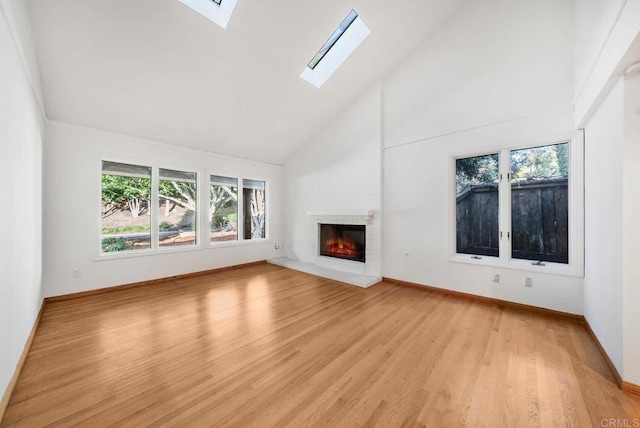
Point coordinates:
pixel 265 346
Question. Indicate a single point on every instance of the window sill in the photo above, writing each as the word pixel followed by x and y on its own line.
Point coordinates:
pixel 225 244
pixel 172 250
pixel 145 253
pixel 521 265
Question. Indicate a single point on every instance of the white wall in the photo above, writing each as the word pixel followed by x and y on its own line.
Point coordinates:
pixel 21 212
pixel 71 207
pixel 631 226
pixel 338 169
pixel 419 219
pixel 498 75
pixel 612 226
pixel 493 61
pixel 605 33
pixel 603 296
pixel 607 40
pixel 594 22
pixel 19 23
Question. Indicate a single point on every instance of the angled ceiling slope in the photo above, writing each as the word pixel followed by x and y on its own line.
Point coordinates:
pixel 155 69
pixel 217 11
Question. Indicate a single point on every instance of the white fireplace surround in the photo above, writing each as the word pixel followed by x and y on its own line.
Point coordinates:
pixel 358 217
pixel 351 272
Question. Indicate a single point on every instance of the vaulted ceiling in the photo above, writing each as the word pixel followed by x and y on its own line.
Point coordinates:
pixel 156 69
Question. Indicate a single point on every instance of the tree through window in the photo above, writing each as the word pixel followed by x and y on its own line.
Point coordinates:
pixel 223 207
pixel 125 195
pixel 178 208
pixel 254 209
pixel 133 197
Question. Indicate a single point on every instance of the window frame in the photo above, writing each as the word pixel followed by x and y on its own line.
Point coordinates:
pixel 330 42
pixel 350 39
pixel 238 239
pixel 197 220
pixel 241 240
pixel 202 215
pixel 265 207
pixel 140 163
pixel 499 153
pixel 575 267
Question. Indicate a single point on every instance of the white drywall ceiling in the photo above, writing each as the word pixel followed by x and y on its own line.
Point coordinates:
pixel 156 69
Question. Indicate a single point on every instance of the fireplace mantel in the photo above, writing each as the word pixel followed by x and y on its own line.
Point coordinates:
pixel 341 213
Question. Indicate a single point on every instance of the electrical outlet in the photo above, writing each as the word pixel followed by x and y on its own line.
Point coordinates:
pixel 278 246
pixel 75 273
pixel 496 277
pixel 528 282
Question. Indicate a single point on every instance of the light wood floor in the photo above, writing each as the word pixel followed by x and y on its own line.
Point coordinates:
pixel 269 347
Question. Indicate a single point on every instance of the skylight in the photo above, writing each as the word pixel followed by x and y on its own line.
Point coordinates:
pixel 340 44
pixel 333 38
pixel 218 11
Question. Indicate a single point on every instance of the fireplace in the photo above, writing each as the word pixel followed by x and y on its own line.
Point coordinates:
pixel 343 241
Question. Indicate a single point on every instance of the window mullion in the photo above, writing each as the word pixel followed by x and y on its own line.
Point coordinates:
pixel 204 209
pixel 153 208
pixel 197 218
pixel 241 212
pixel 505 205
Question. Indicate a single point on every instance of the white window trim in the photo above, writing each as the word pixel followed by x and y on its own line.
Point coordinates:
pixel 202 232
pixel 154 200
pixel 575 267
pixel 266 209
pixel 241 240
pixel 238 240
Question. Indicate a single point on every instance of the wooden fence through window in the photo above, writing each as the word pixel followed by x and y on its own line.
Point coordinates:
pixel 539 220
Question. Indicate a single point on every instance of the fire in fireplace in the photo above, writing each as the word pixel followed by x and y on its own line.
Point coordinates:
pixel 343 241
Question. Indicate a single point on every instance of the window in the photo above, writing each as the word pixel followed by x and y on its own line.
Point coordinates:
pixel 539 203
pixel 178 207
pixel 125 208
pixel 515 204
pixel 223 206
pixel 342 42
pixel 155 209
pixel 333 38
pixel 477 196
pixel 254 208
